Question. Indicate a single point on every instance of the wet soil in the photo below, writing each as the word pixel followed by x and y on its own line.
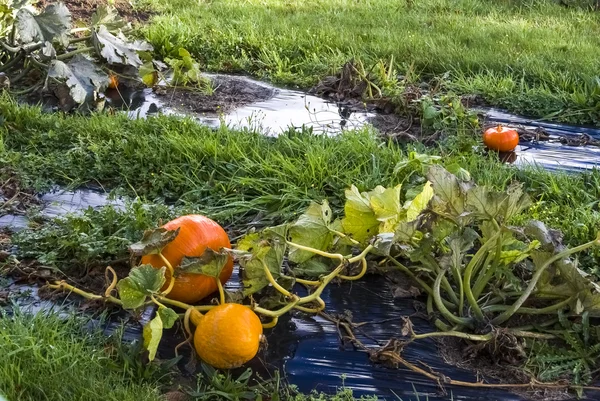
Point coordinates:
pixel 82 10
pixel 228 93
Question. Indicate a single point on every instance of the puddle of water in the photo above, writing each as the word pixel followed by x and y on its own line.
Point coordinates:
pixel 287 108
pixel 61 202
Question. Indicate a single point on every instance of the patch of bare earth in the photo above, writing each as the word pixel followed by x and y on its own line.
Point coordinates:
pixel 82 10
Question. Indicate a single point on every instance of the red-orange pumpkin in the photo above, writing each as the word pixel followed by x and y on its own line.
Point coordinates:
pixel 502 139
pixel 195 235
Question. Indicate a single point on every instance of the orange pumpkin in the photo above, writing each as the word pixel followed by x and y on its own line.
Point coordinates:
pixel 195 235
pixel 113 81
pixel 502 139
pixel 227 336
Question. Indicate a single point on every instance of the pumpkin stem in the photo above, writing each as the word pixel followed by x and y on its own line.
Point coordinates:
pixel 195 316
pixel 499 128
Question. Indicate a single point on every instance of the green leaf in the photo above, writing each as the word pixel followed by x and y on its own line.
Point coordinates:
pixel 142 281
pixel 129 294
pixel 211 263
pixel 259 249
pixel 517 201
pixel 385 203
pixel 118 49
pixel 109 17
pixel 416 162
pixel 312 230
pixel 148 74
pixel 459 244
pixel 168 316
pixel 53 23
pixel 459 172
pixel 153 241
pixel 360 221
pixel 152 334
pixel 420 202
pixel 312 268
pixel 486 203
pixel 83 78
pixel 449 193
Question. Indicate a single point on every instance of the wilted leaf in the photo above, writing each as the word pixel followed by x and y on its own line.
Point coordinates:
pixel 312 230
pixel 118 49
pixel 83 78
pixel 153 241
pixel 383 243
pixel 264 248
pixel 168 317
pixel 420 202
pixel 211 263
pixel 52 24
pixel 405 231
pixel 359 221
pixel 152 334
pixel 48 51
pixel 142 281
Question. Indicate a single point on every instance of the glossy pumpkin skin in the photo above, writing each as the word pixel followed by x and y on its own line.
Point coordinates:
pixel 228 336
pixel 195 235
pixel 502 139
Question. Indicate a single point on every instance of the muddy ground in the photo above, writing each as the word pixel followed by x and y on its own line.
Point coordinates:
pixel 82 10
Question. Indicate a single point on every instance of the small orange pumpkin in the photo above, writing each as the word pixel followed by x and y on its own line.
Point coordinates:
pixel 195 235
pixel 502 139
pixel 113 81
pixel 227 336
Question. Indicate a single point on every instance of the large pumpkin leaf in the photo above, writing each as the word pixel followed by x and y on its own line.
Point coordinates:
pixel 83 78
pixel 312 230
pixel 211 263
pixel 52 24
pixel 359 221
pixel 449 192
pixel 153 241
pixel 118 49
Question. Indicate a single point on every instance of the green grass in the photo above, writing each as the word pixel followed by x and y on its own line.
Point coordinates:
pixel 237 177
pixel 47 358
pixel 531 56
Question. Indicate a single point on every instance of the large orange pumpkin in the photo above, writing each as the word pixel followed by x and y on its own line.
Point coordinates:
pixel 502 139
pixel 195 235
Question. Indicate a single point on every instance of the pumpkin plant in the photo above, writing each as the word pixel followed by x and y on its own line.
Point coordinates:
pixel 481 277
pixel 45 51
pixel 500 138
